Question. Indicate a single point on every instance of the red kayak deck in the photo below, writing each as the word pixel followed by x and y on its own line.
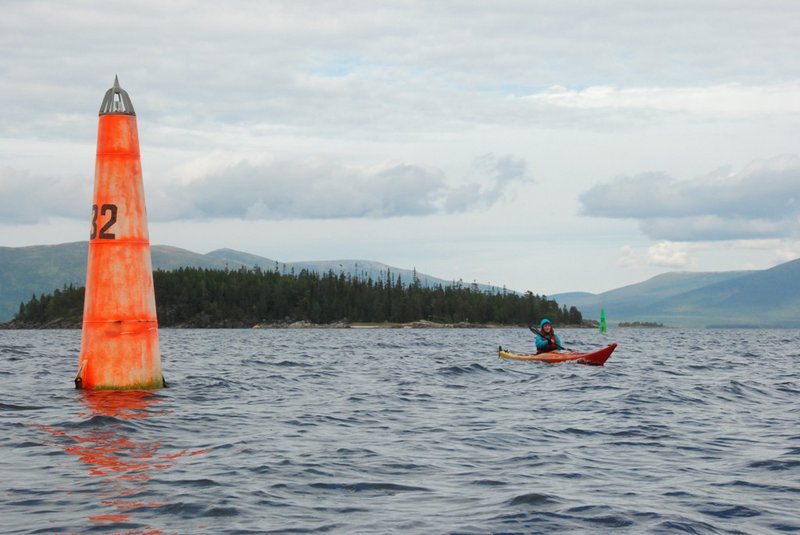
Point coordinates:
pixel 593 358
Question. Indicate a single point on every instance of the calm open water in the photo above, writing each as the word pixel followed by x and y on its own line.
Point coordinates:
pixel 407 431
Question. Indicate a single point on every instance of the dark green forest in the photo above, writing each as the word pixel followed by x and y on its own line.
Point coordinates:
pixel 194 297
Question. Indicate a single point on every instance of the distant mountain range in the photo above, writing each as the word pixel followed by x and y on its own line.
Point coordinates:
pixel 38 269
pixel 763 298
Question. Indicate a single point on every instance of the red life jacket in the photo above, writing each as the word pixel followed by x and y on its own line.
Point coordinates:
pixel 551 341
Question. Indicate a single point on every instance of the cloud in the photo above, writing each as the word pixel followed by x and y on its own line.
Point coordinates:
pixel 27 198
pixel 313 188
pixel 760 201
pixel 714 228
pixel 663 255
pixel 324 188
pixel 724 100
pixel 230 185
pixel 382 68
pixel 668 254
pixel 493 175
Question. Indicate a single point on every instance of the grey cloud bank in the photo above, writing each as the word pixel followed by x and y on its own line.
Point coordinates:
pixel 326 189
pixel 760 201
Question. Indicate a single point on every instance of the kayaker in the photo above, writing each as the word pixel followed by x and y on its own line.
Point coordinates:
pixel 547 339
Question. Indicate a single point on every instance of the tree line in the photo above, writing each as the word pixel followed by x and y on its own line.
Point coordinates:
pixel 197 297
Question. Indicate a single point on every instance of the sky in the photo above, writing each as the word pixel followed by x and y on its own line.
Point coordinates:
pixel 544 146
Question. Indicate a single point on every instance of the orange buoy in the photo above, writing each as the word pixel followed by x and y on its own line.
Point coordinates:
pixel 119 342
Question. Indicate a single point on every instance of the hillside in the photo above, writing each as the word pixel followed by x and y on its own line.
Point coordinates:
pixel 363 269
pixel 762 298
pixel 25 271
pixel 633 302
pixel 28 271
pixel 770 296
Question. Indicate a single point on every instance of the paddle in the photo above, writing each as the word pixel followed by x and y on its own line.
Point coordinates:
pixel 537 331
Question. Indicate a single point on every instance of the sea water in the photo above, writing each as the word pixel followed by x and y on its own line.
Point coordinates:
pixel 407 431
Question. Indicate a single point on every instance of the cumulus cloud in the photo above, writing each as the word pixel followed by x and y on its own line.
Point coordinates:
pixel 664 254
pixel 324 188
pixel 668 254
pixel 316 188
pixel 223 185
pixel 492 176
pixel 760 201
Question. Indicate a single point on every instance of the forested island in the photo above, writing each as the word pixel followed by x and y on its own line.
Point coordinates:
pixel 207 298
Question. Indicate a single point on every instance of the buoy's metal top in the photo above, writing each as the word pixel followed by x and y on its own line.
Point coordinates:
pixel 116 101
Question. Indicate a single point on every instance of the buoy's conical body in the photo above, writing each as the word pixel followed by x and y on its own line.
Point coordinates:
pixel 119 343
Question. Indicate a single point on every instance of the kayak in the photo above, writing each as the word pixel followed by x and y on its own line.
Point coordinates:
pixel 593 358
